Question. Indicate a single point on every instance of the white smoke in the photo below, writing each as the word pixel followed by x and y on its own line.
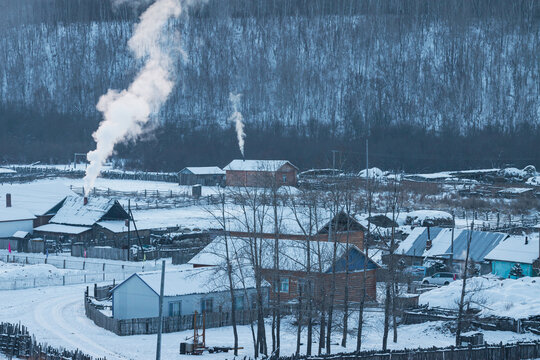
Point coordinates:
pixel 126 112
pixel 238 120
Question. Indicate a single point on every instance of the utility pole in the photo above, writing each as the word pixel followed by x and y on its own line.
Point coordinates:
pixel 160 324
pixel 129 227
pixel 452 246
pixel 367 159
pixel 334 161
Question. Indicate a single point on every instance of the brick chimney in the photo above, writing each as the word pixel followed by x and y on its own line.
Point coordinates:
pixel 85 200
pixel 8 200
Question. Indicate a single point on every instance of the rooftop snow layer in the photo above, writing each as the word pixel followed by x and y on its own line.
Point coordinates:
pixel 37 197
pixel 15 214
pixel 205 170
pixel 74 212
pixel 256 165
pixel 514 249
pixel 292 253
pixel 20 234
pixel 7 171
pixel 194 281
pixel 64 229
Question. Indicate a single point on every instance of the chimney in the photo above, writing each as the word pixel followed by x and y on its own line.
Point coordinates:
pixel 8 200
pixel 85 201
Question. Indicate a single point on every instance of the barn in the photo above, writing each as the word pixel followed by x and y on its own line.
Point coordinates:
pixel 205 175
pixel 261 173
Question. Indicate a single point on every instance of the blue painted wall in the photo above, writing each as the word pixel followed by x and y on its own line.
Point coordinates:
pixel 502 268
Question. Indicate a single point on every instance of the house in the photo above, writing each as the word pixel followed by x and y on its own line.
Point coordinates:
pixel 185 291
pixel 521 250
pixel 92 221
pixel 262 173
pixel 43 200
pixel 295 269
pixel 207 176
pixel 13 219
pixel 436 243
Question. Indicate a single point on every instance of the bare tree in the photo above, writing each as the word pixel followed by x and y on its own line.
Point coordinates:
pixel 463 287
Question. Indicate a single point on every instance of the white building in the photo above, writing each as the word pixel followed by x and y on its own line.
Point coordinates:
pixel 185 291
pixel 15 219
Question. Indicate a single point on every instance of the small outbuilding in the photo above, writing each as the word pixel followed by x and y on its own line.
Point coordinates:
pixel 14 219
pixel 204 175
pixel 204 290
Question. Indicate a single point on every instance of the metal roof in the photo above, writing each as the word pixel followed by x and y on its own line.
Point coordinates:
pixel 482 242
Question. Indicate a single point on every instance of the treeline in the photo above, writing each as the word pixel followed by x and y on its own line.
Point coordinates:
pixel 406 74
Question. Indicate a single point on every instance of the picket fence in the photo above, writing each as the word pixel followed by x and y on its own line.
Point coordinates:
pixel 516 351
pixel 16 342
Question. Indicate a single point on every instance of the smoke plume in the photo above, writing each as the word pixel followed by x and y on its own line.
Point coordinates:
pixel 238 120
pixel 126 112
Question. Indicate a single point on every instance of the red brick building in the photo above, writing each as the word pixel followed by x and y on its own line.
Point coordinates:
pixel 260 173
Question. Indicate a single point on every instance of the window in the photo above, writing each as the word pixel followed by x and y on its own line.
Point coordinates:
pixel 302 287
pixel 207 305
pixel 239 302
pixel 284 178
pixel 283 286
pixel 175 308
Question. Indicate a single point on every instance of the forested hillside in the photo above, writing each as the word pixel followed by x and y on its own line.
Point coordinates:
pixel 433 84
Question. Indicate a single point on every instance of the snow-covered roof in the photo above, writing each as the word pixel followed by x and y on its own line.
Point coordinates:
pixel 482 242
pixel 7 171
pixel 514 249
pixel 64 229
pixel 204 170
pixel 74 212
pixel 37 197
pixel 421 217
pixel 292 253
pixel 515 190
pixel 15 214
pixel 256 165
pixel 194 281
pixel 20 234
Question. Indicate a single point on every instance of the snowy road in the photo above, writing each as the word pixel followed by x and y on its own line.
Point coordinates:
pixel 55 315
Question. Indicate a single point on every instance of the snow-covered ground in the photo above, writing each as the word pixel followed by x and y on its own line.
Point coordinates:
pixel 56 316
pixel 517 298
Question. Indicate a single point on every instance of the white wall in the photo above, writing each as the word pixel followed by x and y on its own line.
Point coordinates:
pixel 8 228
pixel 134 299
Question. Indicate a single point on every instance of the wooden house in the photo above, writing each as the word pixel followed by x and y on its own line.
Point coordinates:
pixel 207 176
pixel 294 268
pixel 261 173
pixel 522 250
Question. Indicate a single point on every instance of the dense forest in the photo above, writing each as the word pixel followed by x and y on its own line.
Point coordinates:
pixel 432 84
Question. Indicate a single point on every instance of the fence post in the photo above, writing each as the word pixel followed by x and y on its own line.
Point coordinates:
pixel 83 264
pixel 64 280
pixel 27 260
pixel 103 266
pixel 64 263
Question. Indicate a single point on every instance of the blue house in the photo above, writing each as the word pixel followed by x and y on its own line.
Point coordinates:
pixel 522 250
pixel 185 291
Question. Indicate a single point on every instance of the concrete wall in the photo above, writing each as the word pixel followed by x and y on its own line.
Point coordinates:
pixel 8 228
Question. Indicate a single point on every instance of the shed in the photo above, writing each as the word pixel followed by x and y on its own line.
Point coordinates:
pixel 522 250
pixel 15 219
pixel 204 175
pixel 185 291
pixel 261 173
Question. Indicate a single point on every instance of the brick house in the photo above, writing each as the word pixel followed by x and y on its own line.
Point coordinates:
pixel 261 173
pixel 294 266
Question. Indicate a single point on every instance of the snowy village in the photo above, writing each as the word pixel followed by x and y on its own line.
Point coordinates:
pixel 256 179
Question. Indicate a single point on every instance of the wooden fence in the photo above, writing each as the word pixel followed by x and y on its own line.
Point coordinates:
pixel 524 350
pixel 16 342
pixel 170 324
pixel 107 253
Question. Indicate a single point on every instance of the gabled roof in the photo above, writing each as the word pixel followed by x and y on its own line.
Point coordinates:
pixel 292 254
pixel 203 170
pixel 192 281
pixel 514 249
pixel 40 198
pixel 482 242
pixel 63 229
pixel 342 222
pixel 257 165
pixel 15 214
pixel 74 212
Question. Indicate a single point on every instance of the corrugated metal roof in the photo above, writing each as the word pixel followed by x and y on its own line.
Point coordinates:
pixel 482 242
